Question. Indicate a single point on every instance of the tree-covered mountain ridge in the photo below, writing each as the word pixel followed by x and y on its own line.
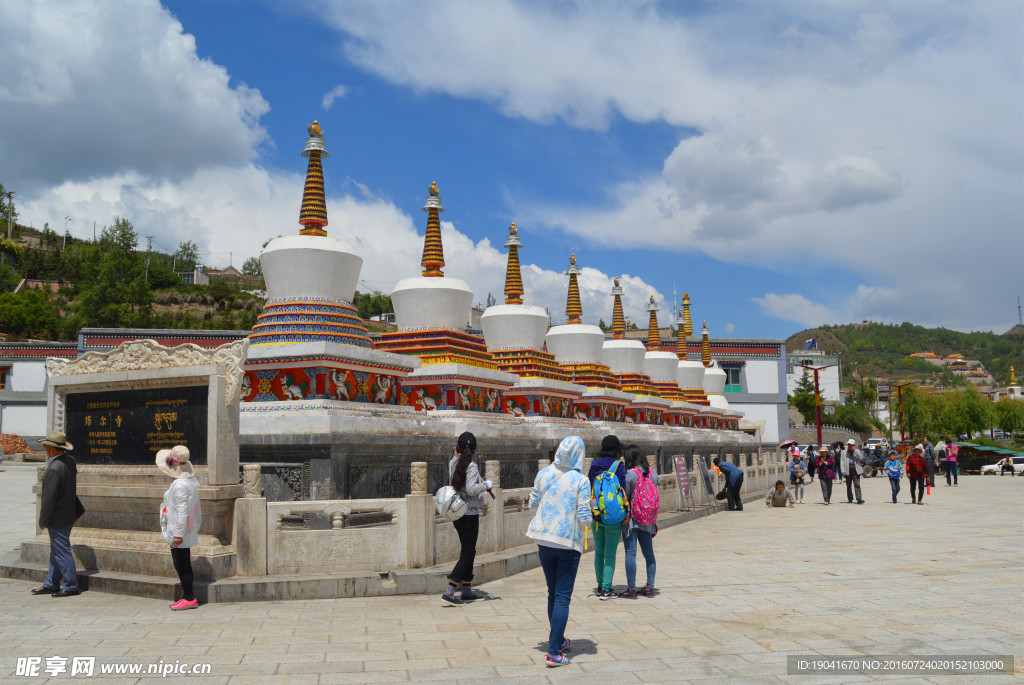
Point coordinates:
pixel 879 350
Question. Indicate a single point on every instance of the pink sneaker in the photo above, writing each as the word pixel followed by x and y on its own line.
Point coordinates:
pixel 183 604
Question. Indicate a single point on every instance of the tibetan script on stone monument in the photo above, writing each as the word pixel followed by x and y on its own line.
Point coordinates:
pixel 129 426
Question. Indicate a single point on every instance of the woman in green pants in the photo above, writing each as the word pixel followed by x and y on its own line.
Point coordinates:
pixel 606 537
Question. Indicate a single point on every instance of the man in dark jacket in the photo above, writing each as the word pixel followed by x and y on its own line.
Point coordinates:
pixel 733 482
pixel 59 508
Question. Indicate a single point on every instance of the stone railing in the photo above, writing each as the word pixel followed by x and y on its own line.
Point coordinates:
pixel 829 434
pixel 383 535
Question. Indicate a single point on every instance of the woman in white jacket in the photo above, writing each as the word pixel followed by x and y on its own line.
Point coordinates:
pixel 180 518
pixel 561 495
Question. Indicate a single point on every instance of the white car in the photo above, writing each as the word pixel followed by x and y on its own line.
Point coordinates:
pixel 996 469
pixel 881 442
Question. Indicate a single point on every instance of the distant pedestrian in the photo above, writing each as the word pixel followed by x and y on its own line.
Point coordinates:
pixel 929 460
pixel 180 518
pixel 640 478
pixel 852 468
pixel 917 471
pixel 811 456
pixel 796 476
pixel 561 496
pixel 778 496
pixel 894 469
pixel 952 452
pixel 59 508
pixel 607 535
pixel 466 480
pixel 733 483
pixel 826 472
pixel 1006 465
pixel 837 454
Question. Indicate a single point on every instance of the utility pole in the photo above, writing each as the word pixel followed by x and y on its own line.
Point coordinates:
pixel 93 232
pixel 149 249
pixel 817 393
pixel 67 220
pixel 10 212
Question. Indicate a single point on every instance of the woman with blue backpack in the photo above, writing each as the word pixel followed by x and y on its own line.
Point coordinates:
pixel 610 510
pixel 561 496
pixel 642 524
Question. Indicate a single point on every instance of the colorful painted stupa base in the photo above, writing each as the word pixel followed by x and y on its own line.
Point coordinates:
pixel 646 409
pixel 542 397
pixel 680 414
pixel 455 387
pixel 309 319
pixel 600 404
pixel 439 346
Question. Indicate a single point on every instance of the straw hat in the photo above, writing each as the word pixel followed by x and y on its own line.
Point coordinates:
pixel 174 462
pixel 56 439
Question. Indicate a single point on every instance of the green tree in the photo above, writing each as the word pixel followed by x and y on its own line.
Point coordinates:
pixel 804 403
pixel 186 256
pixel 116 292
pixel 253 267
pixel 1008 414
pixel 9 279
pixel 490 300
pixel 375 304
pixel 28 314
pixel 804 385
pixel 962 412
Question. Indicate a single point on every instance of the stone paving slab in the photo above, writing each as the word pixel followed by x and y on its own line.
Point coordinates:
pixel 738 593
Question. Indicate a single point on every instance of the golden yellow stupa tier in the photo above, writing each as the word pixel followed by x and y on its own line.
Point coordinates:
pixel 687 321
pixel 668 391
pixel 636 383
pixel 440 346
pixel 433 249
pixel 705 347
pixel 530 363
pixel 313 212
pixel 593 376
pixel 618 320
pixel 653 334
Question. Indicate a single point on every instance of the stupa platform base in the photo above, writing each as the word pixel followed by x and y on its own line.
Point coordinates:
pixel 636 383
pixel 456 387
pixel 602 404
pixel 530 363
pixel 694 396
pixel 646 409
pixel 593 375
pixel 323 370
pixel 542 397
pixel 668 391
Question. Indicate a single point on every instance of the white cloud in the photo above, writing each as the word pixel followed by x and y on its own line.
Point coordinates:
pixel 841 134
pixel 335 93
pixel 97 88
pixel 796 307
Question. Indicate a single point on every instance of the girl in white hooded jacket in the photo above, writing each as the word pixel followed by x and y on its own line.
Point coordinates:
pixel 561 496
pixel 180 518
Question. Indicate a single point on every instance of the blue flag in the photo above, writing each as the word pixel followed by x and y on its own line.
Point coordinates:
pixel 811 344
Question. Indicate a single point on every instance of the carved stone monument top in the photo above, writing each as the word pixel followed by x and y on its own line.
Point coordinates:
pixel 147 354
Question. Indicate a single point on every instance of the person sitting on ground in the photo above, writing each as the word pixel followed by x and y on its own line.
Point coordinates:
pixel 778 495
pixel 1007 465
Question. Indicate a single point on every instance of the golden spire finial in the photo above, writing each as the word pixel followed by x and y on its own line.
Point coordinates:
pixel 513 274
pixel 573 308
pixel 433 250
pixel 618 321
pixel 705 347
pixel 1013 376
pixel 313 211
pixel 687 327
pixel 653 334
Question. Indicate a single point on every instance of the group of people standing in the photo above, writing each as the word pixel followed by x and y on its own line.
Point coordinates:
pixel 568 513
pixel 831 464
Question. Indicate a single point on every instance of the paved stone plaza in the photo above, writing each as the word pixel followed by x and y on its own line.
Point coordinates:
pixel 738 593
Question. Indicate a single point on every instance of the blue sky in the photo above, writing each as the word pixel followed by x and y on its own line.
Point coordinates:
pixel 790 164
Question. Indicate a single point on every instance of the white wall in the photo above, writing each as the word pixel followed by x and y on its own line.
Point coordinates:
pixel 27 377
pixel 23 420
pixel 769 413
pixel 761 376
pixel 828 382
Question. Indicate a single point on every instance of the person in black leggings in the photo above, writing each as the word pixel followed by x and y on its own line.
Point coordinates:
pixel 465 478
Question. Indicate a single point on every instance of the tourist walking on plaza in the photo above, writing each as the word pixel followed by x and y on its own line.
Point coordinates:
pixel 561 496
pixel 929 460
pixel 826 472
pixel 952 452
pixel 180 518
pixel 894 469
pixel 59 508
pixel 796 476
pixel 811 457
pixel 837 455
pixel 917 471
pixel 642 525
pixel 852 468
pixel 607 535
pixel 733 483
pixel 466 480
pixel 778 495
